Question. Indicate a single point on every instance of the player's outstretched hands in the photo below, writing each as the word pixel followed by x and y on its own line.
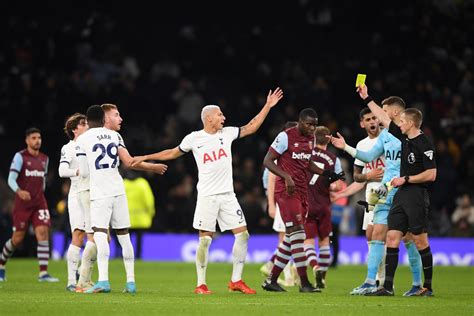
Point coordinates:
pixel 338 142
pixel 363 91
pixel 290 185
pixel 375 175
pixel 136 160
pixel 160 168
pixel 274 97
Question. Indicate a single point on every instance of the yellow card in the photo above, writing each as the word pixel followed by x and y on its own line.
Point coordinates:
pixel 360 80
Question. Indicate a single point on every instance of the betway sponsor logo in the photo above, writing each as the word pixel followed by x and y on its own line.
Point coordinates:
pixel 300 156
pixel 34 173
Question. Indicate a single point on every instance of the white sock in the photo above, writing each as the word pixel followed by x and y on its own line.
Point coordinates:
pixel 103 253
pixel 128 256
pixel 239 253
pixel 202 255
pixel 381 270
pixel 73 257
pixel 89 257
pixel 287 271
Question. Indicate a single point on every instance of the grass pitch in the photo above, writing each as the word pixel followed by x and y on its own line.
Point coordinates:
pixel 167 289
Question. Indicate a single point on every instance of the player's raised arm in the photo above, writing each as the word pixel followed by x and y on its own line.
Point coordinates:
pixel 140 165
pixel 374 107
pixel 256 122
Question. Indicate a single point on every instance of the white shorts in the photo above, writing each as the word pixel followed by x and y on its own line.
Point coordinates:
pixel 79 212
pixel 278 224
pixel 111 211
pixel 368 219
pixel 221 208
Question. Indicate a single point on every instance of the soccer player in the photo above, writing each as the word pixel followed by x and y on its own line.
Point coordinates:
pixel 27 178
pixel 390 146
pixel 411 205
pixel 102 148
pixel 368 175
pixel 269 180
pixel 292 149
pixel 216 200
pixel 318 221
pixel 78 206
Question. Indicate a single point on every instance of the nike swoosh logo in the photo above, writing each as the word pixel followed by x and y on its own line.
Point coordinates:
pixel 200 146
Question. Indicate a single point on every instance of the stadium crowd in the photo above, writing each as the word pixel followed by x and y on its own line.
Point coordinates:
pixel 161 72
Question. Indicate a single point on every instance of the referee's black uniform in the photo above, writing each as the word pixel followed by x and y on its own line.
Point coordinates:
pixel 410 208
pixel 411 204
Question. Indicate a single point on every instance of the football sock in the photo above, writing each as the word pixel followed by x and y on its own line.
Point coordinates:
pixel 391 263
pixel 73 256
pixel 427 261
pixel 202 255
pixel 128 256
pixel 283 255
pixel 272 259
pixel 381 270
pixel 287 271
pixel 7 252
pixel 376 254
pixel 414 261
pixel 311 258
pixel 324 258
pixel 239 253
pixel 299 257
pixel 89 257
pixel 43 256
pixel 103 253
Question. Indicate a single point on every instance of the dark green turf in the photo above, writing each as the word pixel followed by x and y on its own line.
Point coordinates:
pixel 166 289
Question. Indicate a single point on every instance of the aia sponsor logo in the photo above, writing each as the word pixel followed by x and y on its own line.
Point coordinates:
pixel 214 156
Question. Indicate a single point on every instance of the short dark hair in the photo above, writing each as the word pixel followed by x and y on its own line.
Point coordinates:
pixel 71 124
pixel 321 133
pixel 95 115
pixel 394 100
pixel 363 112
pixel 308 113
pixel 32 130
pixel 415 115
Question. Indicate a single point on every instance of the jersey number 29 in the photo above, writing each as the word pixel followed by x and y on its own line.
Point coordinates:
pixel 109 151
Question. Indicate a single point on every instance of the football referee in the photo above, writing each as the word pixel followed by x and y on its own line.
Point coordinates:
pixel 411 205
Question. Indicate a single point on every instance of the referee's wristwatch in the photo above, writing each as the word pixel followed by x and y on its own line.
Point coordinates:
pixel 407 179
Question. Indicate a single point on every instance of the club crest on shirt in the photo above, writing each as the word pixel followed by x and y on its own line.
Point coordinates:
pixel 411 158
pixel 310 145
pixel 296 144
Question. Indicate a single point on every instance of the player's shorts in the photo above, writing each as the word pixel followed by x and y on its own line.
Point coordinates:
pixel 381 210
pixel 24 214
pixel 410 210
pixel 293 208
pixel 111 211
pixel 278 224
pixel 318 224
pixel 368 220
pixel 222 208
pixel 79 212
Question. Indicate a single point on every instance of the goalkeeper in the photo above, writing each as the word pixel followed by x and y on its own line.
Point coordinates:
pixel 390 147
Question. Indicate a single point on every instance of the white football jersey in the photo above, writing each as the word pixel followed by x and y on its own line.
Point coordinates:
pixel 68 156
pixel 213 156
pixel 100 146
pixel 365 145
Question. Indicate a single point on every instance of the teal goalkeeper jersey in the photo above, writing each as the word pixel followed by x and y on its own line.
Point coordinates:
pixel 391 147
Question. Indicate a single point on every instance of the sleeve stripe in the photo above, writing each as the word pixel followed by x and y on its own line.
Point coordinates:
pixel 181 150
pixel 64 161
pixel 238 132
pixel 14 170
pixel 122 146
pixel 80 154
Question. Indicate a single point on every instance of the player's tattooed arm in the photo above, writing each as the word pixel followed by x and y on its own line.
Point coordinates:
pixel 168 154
pixel 272 99
pixel 143 166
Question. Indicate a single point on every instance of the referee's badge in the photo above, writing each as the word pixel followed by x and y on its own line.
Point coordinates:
pixel 429 154
pixel 411 158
